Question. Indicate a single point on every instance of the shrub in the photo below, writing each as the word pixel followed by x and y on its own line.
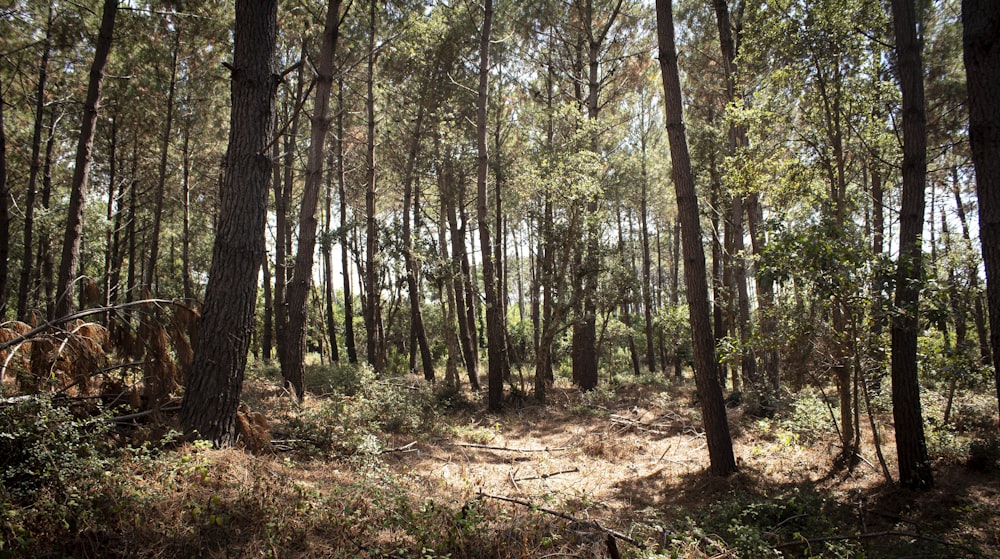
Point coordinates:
pixel 43 446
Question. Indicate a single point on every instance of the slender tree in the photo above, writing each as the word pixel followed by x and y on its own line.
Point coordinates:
pixel 914 465
pixel 4 217
pixel 70 264
pixel 149 272
pixel 713 408
pixel 981 48
pixel 373 310
pixel 293 363
pixel 216 376
pixel 33 168
pixel 495 336
pixel 352 352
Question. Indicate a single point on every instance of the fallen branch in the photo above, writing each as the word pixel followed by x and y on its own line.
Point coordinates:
pixel 548 475
pixel 130 417
pixel 873 535
pixel 404 448
pixel 648 427
pixel 559 514
pixel 508 449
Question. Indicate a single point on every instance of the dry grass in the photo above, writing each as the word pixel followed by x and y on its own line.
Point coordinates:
pixel 632 460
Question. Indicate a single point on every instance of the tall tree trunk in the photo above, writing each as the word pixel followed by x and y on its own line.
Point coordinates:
pixel 33 169
pixel 626 301
pixel 464 295
pixel 417 333
pixel 45 263
pixel 713 408
pixel 447 288
pixel 111 213
pixel 981 49
pixel 283 184
pixel 267 337
pixel 349 345
pixel 675 292
pixel 149 274
pixel 495 335
pixel 647 299
pixel 186 230
pixel 216 377
pixel 737 139
pixel 978 314
pixel 293 367
pixel 914 464
pixel 4 217
pixel 373 310
pixel 585 355
pixel 327 248
pixel 70 264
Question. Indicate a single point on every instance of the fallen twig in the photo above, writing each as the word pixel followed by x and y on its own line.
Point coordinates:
pixel 508 449
pixel 548 475
pixel 513 482
pixel 648 427
pixel 405 448
pixel 592 523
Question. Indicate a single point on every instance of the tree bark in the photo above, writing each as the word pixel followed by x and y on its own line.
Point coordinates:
pixel 70 264
pixel 981 48
pixel 713 408
pixel 4 218
pixel 327 248
pixel 417 332
pixel 349 345
pixel 33 169
pixel 914 464
pixel 373 310
pixel 149 274
pixel 496 345
pixel 216 377
pixel 293 367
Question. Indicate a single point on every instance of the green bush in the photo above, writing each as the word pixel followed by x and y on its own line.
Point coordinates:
pixel 43 447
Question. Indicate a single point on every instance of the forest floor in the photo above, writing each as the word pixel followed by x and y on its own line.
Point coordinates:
pixel 398 468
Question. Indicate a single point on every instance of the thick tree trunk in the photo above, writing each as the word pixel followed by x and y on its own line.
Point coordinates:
pixel 981 47
pixel 70 263
pixel 216 377
pixel 293 367
pixel 914 464
pixel 713 408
